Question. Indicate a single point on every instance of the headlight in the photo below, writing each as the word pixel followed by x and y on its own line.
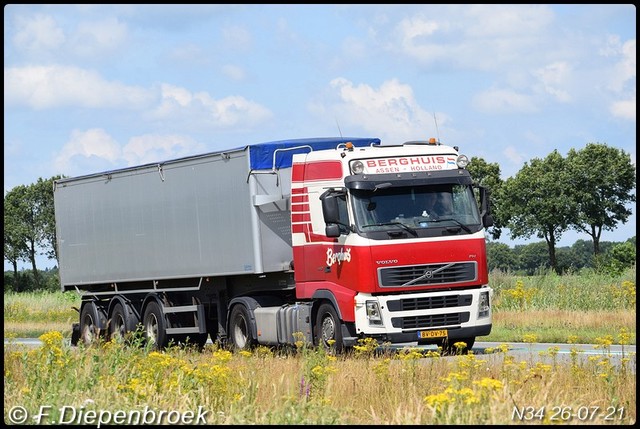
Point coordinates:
pixel 462 161
pixel 484 307
pixel 357 167
pixel 373 313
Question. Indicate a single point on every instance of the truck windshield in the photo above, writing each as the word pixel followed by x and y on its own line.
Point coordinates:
pixel 412 208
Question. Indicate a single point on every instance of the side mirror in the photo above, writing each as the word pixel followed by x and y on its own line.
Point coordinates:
pixel 330 211
pixel 485 207
pixel 332 230
pixel 487 220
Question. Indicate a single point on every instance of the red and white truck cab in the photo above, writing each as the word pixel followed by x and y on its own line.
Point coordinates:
pixel 395 234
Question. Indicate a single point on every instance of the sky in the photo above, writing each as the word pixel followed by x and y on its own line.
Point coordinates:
pixel 89 88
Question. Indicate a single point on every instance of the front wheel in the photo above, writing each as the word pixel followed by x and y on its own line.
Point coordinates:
pixel 240 328
pixel 329 328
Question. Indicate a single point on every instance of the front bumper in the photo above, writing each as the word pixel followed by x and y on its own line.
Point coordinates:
pixel 403 316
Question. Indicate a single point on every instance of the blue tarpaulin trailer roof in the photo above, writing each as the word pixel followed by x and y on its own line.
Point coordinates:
pixel 262 154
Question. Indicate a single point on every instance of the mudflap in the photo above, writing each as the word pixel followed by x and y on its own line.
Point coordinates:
pixel 75 334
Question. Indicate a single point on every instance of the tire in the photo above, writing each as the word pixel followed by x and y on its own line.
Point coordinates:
pixel 155 326
pixel 448 346
pixel 123 322
pixel 329 328
pixel 90 322
pixel 240 333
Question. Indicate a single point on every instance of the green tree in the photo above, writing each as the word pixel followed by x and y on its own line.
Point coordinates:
pixel 30 225
pixel 537 201
pixel 621 257
pixel 15 229
pixel 582 253
pixel 532 257
pixel 488 175
pixel 500 257
pixel 602 178
pixel 45 215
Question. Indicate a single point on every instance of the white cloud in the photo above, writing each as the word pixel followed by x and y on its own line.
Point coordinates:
pixel 203 110
pixel 498 101
pixel 476 37
pixel 390 112
pixel 95 150
pixel 176 94
pixel 92 39
pixel 154 148
pixel 625 109
pixel 415 31
pixel 628 64
pixel 415 39
pixel 86 144
pixel 623 82
pixel 505 21
pixel 37 34
pixel 624 71
pixel 553 77
pixel 514 155
pixel 43 87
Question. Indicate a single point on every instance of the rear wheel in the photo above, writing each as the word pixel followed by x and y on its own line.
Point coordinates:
pixel 155 326
pixel 240 328
pixel 123 322
pixel 328 328
pixel 89 323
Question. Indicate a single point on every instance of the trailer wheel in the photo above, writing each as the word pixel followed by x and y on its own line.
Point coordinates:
pixel 89 323
pixel 328 328
pixel 155 326
pixel 240 328
pixel 449 348
pixel 123 322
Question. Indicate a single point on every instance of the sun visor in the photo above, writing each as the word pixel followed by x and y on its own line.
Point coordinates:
pixel 369 182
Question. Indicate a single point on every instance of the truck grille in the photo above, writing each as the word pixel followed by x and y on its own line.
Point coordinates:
pixel 432 321
pixel 429 302
pixel 430 274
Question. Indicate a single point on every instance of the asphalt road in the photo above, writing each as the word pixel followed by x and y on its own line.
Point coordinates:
pixel 521 351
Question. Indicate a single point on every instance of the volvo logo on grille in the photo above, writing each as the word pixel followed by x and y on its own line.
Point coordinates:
pixel 428 274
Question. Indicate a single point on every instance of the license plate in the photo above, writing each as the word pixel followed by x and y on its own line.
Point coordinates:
pixel 432 334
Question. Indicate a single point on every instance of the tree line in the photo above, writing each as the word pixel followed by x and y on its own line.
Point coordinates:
pixel 587 191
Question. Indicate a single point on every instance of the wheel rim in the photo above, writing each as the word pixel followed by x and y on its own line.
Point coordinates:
pixel 328 329
pixel 88 329
pixel 119 328
pixel 151 328
pixel 240 332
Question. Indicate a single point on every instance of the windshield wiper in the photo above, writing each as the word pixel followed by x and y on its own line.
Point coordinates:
pixel 400 224
pixel 463 226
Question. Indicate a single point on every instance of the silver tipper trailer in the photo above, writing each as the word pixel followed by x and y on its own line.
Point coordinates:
pixel 173 243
